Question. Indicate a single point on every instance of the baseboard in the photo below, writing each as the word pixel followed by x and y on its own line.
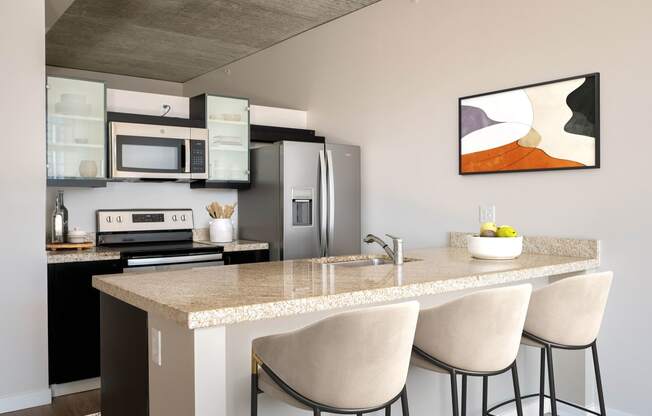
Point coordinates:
pixel 25 400
pixel 75 387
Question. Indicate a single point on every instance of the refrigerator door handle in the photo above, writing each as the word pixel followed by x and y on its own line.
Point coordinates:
pixel 331 202
pixel 323 205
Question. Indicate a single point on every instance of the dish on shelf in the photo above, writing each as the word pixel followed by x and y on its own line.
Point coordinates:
pixel 73 104
pixel 225 117
pixel 226 140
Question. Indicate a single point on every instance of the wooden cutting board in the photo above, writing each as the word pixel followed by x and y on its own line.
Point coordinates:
pixel 70 246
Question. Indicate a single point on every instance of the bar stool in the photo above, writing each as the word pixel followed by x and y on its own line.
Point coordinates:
pixel 566 315
pixel 350 363
pixel 476 335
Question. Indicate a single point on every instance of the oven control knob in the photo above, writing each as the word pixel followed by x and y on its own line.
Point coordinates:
pixel 183 217
pixel 108 219
pixel 118 219
pixel 174 218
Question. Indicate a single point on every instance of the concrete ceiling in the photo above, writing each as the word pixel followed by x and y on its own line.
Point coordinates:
pixel 177 40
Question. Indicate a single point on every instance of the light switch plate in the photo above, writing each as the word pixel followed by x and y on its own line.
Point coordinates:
pixel 155 343
pixel 487 213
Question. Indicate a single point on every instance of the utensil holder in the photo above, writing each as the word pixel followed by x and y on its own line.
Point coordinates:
pixel 221 230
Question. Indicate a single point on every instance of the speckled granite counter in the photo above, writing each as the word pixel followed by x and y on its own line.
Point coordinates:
pixel 107 253
pixel 214 296
pixel 91 254
pixel 238 245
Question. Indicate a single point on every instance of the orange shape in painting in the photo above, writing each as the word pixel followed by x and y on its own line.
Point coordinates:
pixel 512 156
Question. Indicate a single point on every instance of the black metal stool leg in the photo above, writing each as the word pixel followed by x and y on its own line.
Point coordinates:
pixel 463 394
pixel 388 410
pixel 517 390
pixel 316 412
pixel 542 382
pixel 551 382
pixel 404 402
pixel 485 392
pixel 254 394
pixel 358 414
pixel 598 379
pixel 456 411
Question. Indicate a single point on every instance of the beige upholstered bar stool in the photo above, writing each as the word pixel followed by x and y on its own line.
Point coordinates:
pixel 351 363
pixel 566 315
pixel 476 335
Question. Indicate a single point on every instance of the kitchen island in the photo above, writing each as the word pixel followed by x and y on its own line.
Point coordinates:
pixel 178 342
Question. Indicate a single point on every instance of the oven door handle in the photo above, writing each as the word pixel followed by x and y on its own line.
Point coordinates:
pixel 155 261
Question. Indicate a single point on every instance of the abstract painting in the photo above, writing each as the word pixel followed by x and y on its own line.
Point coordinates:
pixel 546 126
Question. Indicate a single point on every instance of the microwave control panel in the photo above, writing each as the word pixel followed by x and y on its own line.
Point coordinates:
pixel 197 156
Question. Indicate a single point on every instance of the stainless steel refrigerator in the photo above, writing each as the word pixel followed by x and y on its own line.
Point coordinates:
pixel 304 200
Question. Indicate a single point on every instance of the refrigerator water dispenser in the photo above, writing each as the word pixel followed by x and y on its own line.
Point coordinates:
pixel 302 207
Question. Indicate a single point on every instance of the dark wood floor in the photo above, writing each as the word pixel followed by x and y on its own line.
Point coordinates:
pixel 80 404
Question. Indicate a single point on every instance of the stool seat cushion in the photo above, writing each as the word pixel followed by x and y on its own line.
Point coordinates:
pixel 569 312
pixel 480 332
pixel 353 360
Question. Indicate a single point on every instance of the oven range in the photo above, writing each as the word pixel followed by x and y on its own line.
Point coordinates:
pixel 154 239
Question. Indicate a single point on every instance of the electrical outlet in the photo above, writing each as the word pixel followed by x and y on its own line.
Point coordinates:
pixel 155 343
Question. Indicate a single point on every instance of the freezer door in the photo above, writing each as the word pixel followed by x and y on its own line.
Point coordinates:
pixel 301 199
pixel 343 199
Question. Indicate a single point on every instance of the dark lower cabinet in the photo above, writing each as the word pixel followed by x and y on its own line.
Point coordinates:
pixel 74 314
pixel 74 319
pixel 249 256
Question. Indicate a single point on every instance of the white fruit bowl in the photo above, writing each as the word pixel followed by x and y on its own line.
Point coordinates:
pixel 494 248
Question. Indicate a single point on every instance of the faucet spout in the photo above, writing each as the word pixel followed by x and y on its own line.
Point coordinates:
pixel 396 254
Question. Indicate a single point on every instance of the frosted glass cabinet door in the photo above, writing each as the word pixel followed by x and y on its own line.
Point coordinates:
pixel 76 129
pixel 227 120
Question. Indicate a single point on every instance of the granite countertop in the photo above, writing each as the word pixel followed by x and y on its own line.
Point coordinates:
pixel 238 245
pixel 91 254
pixel 108 253
pixel 212 296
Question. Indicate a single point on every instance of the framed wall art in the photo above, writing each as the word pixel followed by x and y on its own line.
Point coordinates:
pixel 547 126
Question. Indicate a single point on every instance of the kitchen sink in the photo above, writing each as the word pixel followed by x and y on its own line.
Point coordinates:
pixel 352 261
pixel 363 262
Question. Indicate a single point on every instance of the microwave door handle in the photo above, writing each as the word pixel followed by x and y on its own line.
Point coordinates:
pixel 185 156
pixel 323 204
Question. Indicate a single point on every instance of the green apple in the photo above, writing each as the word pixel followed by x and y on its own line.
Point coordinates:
pixel 506 231
pixel 488 229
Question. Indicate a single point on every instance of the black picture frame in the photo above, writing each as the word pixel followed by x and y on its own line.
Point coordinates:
pixel 596 75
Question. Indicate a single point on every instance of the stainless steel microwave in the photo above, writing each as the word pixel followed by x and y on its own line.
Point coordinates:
pixel 146 151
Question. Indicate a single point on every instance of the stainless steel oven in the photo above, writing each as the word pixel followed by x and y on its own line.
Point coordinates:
pixel 146 151
pixel 155 239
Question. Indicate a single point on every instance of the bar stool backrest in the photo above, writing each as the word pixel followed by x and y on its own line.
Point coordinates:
pixel 352 360
pixel 479 332
pixel 570 311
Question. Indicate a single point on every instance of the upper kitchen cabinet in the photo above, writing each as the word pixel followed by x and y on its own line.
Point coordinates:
pixel 227 121
pixel 76 132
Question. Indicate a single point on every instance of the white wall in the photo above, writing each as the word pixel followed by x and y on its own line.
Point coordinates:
pixel 388 78
pixel 23 281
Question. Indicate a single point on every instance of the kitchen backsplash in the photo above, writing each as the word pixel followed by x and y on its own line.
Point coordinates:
pixel 83 202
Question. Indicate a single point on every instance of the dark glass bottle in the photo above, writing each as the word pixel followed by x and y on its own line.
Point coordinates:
pixel 59 220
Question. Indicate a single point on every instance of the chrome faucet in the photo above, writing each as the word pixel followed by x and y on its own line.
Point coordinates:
pixel 396 255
